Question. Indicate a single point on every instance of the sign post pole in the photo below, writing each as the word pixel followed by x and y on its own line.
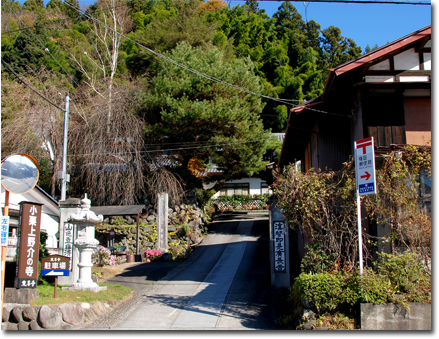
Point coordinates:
pixel 365 181
pixel 360 234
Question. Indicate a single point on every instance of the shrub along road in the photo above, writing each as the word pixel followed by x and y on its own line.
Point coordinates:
pixel 224 285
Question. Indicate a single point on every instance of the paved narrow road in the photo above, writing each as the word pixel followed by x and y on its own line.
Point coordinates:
pixel 226 286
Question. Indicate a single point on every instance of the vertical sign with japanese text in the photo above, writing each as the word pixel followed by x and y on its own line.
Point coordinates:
pixel 279 246
pixel 4 230
pixel 68 242
pixel 365 166
pixel 28 245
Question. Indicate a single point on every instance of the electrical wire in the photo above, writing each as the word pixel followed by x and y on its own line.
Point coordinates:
pixel 204 75
pixel 29 86
pixel 176 149
pixel 378 2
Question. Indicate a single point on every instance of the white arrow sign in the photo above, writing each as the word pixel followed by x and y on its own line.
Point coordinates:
pixel 365 166
pixel 52 273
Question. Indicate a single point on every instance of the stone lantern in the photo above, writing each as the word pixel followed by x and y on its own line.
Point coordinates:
pixel 86 244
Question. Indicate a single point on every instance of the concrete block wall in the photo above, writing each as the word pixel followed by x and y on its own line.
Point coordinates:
pixel 396 317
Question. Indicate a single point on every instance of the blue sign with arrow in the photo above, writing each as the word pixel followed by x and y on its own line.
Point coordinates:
pixel 54 273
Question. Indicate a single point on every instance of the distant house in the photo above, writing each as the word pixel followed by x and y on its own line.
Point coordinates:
pixel 385 94
pixel 49 217
pixel 246 186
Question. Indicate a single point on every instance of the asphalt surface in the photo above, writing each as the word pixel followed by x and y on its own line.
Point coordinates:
pixel 223 285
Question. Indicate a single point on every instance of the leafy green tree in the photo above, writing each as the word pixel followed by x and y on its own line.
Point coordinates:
pixel 60 5
pixel 186 109
pixel 336 49
pixel 370 49
pixel 33 5
pixel 252 6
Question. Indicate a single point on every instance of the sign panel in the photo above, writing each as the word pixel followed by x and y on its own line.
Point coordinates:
pixel 55 265
pixel 279 246
pixel 365 166
pixel 4 230
pixel 28 245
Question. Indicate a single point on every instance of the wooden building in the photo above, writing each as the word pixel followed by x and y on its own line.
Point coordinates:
pixel 385 94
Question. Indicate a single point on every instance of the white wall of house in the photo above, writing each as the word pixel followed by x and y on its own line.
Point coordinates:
pixel 49 215
pixel 254 185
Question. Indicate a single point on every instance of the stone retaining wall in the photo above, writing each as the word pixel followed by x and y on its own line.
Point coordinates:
pixel 126 229
pixel 396 317
pixel 72 316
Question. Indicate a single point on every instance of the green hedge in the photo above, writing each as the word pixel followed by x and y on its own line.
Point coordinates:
pixel 397 279
pixel 239 201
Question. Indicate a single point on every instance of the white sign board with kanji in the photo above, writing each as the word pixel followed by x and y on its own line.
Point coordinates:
pixel 365 166
pixel 4 230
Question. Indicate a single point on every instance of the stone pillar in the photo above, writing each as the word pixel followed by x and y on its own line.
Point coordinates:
pixel 86 244
pixel 162 222
pixel 67 236
pixel 279 249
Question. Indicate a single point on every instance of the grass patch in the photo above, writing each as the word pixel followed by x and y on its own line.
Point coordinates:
pixel 113 292
pixel 106 272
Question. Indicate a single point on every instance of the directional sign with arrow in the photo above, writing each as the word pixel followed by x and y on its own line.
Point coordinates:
pixel 54 273
pixel 365 166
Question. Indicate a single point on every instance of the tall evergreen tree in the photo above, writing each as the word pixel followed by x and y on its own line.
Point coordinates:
pixel 252 6
pixel 221 123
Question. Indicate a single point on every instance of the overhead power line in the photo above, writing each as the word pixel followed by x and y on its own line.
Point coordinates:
pixel 204 75
pixel 379 2
pixel 29 86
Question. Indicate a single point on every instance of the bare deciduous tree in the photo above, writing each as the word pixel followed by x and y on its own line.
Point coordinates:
pixel 98 58
pixel 109 165
pixel 31 124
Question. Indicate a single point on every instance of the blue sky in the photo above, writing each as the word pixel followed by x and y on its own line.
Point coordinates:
pixel 364 23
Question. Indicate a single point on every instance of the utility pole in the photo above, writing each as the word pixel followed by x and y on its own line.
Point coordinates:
pixel 65 178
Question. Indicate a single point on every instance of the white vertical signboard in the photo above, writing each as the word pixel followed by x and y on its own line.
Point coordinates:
pixel 365 179
pixel 365 166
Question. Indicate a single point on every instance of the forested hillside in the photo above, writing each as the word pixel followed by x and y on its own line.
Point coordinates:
pixel 155 84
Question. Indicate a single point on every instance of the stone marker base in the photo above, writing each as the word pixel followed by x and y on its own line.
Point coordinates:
pixel 85 287
pixel 20 295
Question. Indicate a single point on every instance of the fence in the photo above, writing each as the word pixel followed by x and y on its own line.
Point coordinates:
pixel 225 203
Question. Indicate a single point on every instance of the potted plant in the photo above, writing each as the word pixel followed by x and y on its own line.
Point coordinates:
pixel 130 256
pixel 222 208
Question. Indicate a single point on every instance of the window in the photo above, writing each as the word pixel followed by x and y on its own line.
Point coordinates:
pixel 231 189
pixel 264 188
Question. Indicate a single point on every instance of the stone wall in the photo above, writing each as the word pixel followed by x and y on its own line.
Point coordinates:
pixel 396 317
pixel 180 219
pixel 63 317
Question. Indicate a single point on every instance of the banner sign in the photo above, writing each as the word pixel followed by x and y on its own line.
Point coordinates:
pixel 28 245
pixel 365 166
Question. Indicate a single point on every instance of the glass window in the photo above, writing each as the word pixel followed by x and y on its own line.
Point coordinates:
pixel 231 189
pixel 264 188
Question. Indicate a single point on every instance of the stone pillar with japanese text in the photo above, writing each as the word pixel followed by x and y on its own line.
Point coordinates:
pixel 162 222
pixel 67 236
pixel 28 245
pixel 279 249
